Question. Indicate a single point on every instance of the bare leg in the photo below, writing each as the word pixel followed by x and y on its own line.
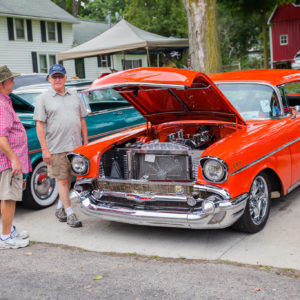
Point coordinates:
pixel 7 211
pixel 63 191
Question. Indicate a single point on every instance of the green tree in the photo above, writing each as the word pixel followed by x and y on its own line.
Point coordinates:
pixel 237 35
pixel 73 7
pixel 167 18
pixel 99 9
pixel 245 9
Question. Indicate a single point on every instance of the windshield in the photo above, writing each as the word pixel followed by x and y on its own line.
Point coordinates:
pixel 252 101
pixel 30 98
pixel 103 99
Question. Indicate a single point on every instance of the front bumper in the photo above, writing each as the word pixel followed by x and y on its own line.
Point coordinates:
pixel 217 210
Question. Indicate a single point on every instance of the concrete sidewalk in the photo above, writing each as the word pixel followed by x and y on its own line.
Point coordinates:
pixel 277 245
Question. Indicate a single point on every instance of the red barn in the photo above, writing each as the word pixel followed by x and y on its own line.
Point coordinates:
pixel 284 34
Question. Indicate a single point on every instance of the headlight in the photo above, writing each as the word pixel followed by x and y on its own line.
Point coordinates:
pixel 214 170
pixel 79 164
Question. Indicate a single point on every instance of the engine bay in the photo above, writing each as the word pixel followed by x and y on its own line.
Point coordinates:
pixel 164 152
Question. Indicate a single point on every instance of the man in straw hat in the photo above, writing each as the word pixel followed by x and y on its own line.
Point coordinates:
pixel 14 160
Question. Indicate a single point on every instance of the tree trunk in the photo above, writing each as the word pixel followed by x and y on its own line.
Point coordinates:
pixel 74 8
pixel 204 47
pixel 265 40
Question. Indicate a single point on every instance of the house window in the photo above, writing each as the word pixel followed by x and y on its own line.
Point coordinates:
pixel 103 61
pixel 51 31
pixel 20 29
pixel 52 60
pixel 43 63
pixel 284 39
pixel 131 64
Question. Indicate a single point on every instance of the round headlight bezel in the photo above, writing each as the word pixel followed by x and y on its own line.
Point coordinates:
pixel 76 158
pixel 205 164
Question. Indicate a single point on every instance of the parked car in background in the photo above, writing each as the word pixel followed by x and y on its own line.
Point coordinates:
pixel 29 79
pixel 107 114
pixel 296 61
pixel 31 92
pixel 213 153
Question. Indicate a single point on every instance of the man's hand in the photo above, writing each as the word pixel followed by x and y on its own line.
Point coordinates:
pixel 47 158
pixel 16 166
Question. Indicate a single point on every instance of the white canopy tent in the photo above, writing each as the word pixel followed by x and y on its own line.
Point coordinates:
pixel 123 37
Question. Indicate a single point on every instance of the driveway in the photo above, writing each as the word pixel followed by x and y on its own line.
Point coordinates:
pixel 277 245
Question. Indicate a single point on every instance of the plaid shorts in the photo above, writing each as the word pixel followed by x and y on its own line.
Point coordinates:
pixel 10 186
pixel 60 168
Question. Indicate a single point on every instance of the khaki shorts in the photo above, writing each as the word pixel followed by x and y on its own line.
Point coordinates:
pixel 60 168
pixel 10 186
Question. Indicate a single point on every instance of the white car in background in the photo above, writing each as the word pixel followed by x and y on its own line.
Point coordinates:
pixel 296 61
pixel 30 93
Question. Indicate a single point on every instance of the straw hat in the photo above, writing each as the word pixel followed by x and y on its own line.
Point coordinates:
pixel 5 73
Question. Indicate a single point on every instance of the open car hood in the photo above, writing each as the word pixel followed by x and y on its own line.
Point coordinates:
pixel 166 94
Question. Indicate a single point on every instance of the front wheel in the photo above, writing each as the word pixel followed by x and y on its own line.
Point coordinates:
pixel 258 206
pixel 41 191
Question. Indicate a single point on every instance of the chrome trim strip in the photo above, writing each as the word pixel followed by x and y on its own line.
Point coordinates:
pixel 111 86
pixel 213 189
pixel 35 151
pixel 266 156
pixel 294 186
pixel 196 218
pixel 84 181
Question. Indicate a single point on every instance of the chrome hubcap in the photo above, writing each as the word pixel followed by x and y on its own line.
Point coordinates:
pixel 258 202
pixel 42 184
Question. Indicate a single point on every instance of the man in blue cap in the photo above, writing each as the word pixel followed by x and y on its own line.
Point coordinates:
pixel 61 127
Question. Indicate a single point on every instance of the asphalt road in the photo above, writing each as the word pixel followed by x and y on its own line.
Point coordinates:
pixel 277 245
pixel 45 271
pixel 121 261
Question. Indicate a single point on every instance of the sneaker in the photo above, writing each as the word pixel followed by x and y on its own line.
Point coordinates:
pixel 13 243
pixel 19 234
pixel 61 215
pixel 73 221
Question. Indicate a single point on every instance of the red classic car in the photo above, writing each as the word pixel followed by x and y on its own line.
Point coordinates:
pixel 213 153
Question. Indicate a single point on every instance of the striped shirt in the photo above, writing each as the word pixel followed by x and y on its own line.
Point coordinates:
pixel 12 128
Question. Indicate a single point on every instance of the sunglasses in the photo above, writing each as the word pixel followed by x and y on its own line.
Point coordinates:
pixel 58 76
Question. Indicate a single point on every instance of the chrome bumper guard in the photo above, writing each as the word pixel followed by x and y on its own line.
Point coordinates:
pixel 220 213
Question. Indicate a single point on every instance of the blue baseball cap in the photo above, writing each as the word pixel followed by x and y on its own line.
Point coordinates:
pixel 57 68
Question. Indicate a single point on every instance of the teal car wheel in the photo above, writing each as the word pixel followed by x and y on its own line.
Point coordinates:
pixel 41 191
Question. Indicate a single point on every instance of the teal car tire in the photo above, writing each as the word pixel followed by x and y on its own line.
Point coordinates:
pixel 41 191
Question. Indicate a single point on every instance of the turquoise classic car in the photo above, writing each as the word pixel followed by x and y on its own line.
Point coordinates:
pixel 107 113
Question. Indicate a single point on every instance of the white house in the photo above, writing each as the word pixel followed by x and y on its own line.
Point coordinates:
pixel 32 32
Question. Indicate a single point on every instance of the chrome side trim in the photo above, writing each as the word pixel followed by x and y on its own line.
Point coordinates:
pixel 213 189
pixel 111 86
pixel 266 156
pixel 294 186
